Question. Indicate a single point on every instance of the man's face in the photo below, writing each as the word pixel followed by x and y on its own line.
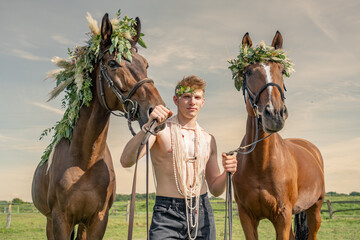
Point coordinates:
pixel 189 104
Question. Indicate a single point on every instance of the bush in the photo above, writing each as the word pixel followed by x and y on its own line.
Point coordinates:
pixel 354 194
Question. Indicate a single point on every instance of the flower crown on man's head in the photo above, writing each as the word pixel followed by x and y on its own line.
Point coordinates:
pixel 180 90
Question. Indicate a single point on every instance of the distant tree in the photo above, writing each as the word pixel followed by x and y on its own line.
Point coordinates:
pixel 17 201
pixel 354 194
pixel 331 193
pixel 138 196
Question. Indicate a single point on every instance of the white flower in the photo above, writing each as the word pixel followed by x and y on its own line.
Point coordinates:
pixel 262 44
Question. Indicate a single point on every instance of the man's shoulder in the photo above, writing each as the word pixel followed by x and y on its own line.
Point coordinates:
pixel 207 135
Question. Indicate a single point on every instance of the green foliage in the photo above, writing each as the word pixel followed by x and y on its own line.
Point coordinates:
pixel 180 90
pixel 138 197
pixel 261 53
pixel 354 194
pixel 17 201
pixel 76 76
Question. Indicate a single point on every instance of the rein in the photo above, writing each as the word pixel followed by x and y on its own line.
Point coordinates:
pixel 130 106
pixel 253 99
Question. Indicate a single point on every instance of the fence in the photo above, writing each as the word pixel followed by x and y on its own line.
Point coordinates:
pixel 122 208
pixel 332 211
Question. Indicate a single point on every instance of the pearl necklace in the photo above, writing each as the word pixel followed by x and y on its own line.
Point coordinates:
pixel 180 164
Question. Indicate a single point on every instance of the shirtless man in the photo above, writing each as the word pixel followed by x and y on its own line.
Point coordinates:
pixel 183 156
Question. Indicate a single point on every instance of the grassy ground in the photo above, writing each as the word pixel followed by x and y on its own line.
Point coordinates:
pixel 344 225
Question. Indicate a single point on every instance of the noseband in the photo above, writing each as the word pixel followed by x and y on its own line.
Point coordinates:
pixel 130 106
pixel 254 99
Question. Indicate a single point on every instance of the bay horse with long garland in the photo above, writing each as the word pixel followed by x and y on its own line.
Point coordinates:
pixel 79 187
pixel 280 177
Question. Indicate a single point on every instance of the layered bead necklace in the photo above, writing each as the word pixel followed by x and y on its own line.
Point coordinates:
pixel 182 162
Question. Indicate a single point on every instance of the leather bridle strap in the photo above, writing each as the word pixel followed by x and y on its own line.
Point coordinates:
pixel 122 98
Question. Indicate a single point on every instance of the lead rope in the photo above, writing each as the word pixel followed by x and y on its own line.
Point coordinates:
pixel 228 198
pixel 147 190
pixel 149 132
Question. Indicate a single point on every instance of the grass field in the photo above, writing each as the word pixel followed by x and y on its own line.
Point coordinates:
pixel 344 225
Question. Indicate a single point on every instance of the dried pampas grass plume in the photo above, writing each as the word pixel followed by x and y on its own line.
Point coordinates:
pixel 92 24
pixel 115 22
pixel 127 36
pixel 53 73
pixel 58 89
pixel 60 62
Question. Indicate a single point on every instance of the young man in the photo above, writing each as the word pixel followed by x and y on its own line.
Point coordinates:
pixel 183 156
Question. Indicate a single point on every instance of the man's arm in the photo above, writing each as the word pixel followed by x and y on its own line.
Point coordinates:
pixel 216 181
pixel 128 157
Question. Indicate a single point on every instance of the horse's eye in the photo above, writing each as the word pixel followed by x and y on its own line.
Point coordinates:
pixel 283 72
pixel 147 66
pixel 113 64
pixel 248 72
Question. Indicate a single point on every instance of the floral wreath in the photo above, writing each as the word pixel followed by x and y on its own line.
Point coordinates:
pixel 74 79
pixel 262 53
pixel 180 90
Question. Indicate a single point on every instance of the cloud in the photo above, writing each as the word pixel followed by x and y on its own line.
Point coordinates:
pixel 62 40
pixel 47 107
pixel 27 55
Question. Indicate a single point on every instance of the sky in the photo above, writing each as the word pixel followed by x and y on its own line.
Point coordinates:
pixel 187 37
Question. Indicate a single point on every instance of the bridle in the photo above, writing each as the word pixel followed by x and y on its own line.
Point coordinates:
pixel 130 107
pixel 253 100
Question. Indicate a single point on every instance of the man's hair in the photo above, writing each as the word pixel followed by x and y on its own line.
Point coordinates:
pixel 191 81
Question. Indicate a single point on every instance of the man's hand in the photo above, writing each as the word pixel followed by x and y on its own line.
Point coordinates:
pixel 161 114
pixel 229 163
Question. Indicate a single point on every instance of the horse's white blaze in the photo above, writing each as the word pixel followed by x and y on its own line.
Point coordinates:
pixel 268 80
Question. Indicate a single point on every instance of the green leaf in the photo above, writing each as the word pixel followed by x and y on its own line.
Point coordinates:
pixel 141 43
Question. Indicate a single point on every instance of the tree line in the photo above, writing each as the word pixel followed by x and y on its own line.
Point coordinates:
pixel 142 196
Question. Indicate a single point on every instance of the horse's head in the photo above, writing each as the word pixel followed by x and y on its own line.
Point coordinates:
pixel 263 87
pixel 124 85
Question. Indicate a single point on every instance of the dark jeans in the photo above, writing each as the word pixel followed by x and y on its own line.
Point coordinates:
pixel 169 219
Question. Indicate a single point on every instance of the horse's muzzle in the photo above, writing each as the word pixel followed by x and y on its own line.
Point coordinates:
pixel 273 120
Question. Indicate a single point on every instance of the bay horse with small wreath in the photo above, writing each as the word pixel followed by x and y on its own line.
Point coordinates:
pixel 277 177
pixel 75 181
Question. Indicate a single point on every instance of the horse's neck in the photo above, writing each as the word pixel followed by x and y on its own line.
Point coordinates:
pixel 262 155
pixel 89 136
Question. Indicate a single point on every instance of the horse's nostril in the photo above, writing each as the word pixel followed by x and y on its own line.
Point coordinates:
pixel 267 110
pixel 282 112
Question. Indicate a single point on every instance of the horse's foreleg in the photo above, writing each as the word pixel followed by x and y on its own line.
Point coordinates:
pixel 61 228
pixel 282 224
pixel 49 229
pixel 96 228
pixel 313 215
pixel 249 224
pixel 81 232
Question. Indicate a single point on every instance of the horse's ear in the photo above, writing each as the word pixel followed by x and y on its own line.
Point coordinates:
pixel 106 31
pixel 137 27
pixel 247 40
pixel 277 41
